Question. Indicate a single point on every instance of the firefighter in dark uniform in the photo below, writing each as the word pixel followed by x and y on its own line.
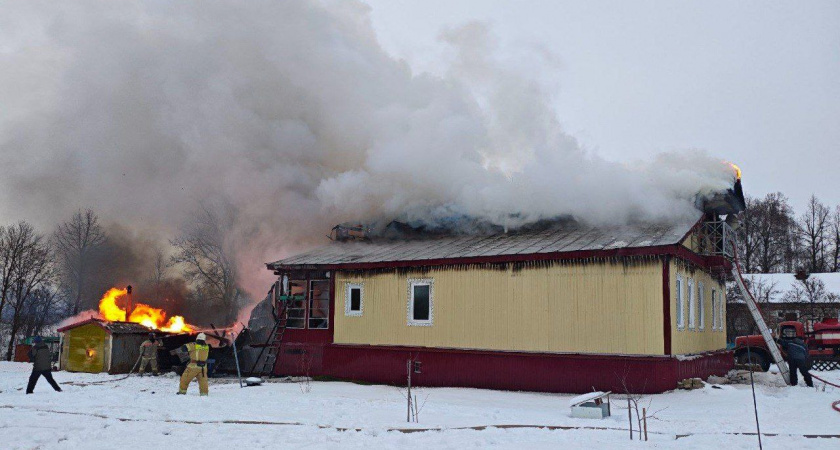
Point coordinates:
pixel 148 354
pixel 798 357
pixel 197 368
pixel 41 358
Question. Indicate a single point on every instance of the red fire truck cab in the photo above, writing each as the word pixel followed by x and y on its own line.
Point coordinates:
pixel 823 344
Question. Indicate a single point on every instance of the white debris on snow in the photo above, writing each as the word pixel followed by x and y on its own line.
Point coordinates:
pixel 144 413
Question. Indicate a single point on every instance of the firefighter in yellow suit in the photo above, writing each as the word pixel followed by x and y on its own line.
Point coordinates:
pixel 197 368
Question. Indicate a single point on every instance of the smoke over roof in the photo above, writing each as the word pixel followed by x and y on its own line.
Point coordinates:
pixel 292 116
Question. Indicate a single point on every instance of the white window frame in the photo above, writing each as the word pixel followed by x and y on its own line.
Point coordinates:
pixel 680 304
pixel 722 306
pixel 348 287
pixel 692 305
pixel 715 310
pixel 410 313
pixel 701 306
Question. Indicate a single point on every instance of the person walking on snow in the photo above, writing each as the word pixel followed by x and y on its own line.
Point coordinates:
pixel 197 368
pixel 41 358
pixel 148 354
pixel 797 357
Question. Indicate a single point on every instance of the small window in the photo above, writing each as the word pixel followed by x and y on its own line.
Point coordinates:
pixel 296 304
pixel 420 302
pixel 715 311
pixel 692 305
pixel 680 307
pixel 722 306
pixel 353 299
pixel 701 305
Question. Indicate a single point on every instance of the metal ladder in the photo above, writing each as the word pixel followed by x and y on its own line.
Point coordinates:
pixel 759 320
pixel 271 349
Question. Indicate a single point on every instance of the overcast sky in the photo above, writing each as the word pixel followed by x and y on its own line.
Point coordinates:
pixel 755 82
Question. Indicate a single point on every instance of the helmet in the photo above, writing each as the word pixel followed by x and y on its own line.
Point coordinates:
pixel 37 339
pixel 201 337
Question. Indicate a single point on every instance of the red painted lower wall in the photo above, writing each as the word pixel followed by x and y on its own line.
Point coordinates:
pixel 499 370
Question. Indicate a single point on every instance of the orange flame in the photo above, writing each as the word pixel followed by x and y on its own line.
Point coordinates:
pixel 737 170
pixel 143 314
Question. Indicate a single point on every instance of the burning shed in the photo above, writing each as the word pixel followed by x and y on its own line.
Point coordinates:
pixel 97 346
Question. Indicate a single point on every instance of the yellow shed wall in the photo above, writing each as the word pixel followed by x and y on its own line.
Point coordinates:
pixel 579 308
pixel 78 341
pixel 687 339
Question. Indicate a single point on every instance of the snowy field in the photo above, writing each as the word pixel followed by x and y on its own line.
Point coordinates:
pixel 145 413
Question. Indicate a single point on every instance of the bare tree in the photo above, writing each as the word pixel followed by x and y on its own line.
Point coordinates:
pixel 207 260
pixel 835 240
pixel 157 278
pixel 747 236
pixel 32 272
pixel 814 225
pixel 11 248
pixel 76 243
pixel 817 301
pixel 767 230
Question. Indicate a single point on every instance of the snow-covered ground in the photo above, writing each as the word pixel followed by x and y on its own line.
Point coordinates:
pixel 145 413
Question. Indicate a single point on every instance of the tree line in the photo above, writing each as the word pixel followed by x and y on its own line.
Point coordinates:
pixel 774 239
pixel 45 277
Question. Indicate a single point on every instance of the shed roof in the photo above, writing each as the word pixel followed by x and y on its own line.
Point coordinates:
pixel 110 327
pixel 559 239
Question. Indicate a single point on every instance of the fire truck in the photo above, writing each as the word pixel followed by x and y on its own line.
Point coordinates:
pixel 823 342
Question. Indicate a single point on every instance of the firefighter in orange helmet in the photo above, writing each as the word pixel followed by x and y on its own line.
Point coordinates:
pixel 197 368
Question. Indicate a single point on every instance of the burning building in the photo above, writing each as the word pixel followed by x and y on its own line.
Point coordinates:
pixel 563 307
pixel 99 346
pixel 110 340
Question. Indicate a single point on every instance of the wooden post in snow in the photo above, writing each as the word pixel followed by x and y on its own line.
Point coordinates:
pixel 630 418
pixel 408 370
pixel 644 420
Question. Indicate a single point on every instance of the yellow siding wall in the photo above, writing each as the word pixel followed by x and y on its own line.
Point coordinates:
pixel 586 308
pixel 85 349
pixel 694 340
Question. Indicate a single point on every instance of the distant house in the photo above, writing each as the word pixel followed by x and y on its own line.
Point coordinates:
pixel 563 308
pixel 784 297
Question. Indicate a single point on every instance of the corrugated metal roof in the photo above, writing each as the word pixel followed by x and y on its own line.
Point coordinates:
pixel 560 239
pixel 111 327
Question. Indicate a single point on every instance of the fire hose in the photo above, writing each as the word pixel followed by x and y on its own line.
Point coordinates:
pixel 113 379
pixel 835 405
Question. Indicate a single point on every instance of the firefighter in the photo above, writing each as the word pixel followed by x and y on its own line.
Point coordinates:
pixel 41 358
pixel 148 354
pixel 798 356
pixel 197 368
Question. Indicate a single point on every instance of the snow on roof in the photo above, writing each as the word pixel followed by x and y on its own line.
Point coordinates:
pixel 574 401
pixel 778 287
pixel 558 239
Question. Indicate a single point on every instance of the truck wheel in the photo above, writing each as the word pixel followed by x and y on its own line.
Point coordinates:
pixel 753 357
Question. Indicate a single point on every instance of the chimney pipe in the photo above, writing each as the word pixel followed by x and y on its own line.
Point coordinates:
pixel 130 307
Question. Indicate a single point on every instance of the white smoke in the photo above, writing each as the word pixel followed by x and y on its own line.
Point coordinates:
pixel 293 114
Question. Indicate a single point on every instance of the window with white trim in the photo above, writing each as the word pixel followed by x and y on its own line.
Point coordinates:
pixel 420 302
pixel 692 305
pixel 354 299
pixel 722 306
pixel 680 306
pixel 715 311
pixel 701 305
